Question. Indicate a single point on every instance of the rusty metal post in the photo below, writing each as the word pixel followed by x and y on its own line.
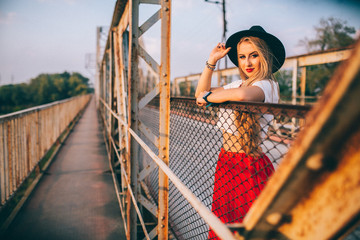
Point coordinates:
pixel 119 93
pixel 98 65
pixel 112 90
pixel 108 87
pixel 125 138
pixel 294 81
pixel 187 87
pixel 164 119
pixel 103 81
pixel 2 164
pixel 219 78
pixel 133 81
pixel 303 85
pixel 174 88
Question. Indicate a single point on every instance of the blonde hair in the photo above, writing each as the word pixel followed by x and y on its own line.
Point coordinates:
pixel 247 124
pixel 247 139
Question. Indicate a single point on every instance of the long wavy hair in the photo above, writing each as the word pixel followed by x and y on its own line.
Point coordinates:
pixel 247 123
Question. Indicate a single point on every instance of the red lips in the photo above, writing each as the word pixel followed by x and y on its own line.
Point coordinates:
pixel 249 70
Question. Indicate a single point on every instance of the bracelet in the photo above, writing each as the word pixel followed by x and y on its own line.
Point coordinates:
pixel 210 66
pixel 205 98
pixel 213 65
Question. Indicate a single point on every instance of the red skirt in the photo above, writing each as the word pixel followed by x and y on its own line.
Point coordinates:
pixel 239 180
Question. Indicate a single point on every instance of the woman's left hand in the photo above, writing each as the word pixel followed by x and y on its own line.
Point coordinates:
pixel 218 52
pixel 199 100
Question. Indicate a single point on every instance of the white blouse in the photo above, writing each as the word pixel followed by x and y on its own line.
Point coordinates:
pixel 227 117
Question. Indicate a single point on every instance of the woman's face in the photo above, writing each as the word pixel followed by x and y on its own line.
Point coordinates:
pixel 249 59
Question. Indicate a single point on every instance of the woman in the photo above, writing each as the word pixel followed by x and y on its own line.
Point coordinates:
pixel 242 168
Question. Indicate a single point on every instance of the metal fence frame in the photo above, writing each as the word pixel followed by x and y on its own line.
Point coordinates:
pixel 296 63
pixel 119 106
pixel 118 71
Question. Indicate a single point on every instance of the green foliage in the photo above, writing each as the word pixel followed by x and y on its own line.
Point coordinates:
pixel 43 89
pixel 186 89
pixel 330 33
pixel 284 78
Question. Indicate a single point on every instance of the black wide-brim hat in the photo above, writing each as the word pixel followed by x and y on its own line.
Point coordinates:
pixel 273 42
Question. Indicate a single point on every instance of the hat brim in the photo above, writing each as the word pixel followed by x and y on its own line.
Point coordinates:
pixel 273 42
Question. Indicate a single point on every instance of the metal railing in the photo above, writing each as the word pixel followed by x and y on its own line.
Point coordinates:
pixel 295 63
pixel 139 135
pixel 202 143
pixel 196 140
pixel 173 162
pixel 118 103
pixel 26 136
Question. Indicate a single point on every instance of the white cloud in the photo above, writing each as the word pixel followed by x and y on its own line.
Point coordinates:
pixel 7 18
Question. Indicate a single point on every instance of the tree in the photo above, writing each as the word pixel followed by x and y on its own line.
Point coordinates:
pixel 43 89
pixel 284 79
pixel 330 33
pixel 186 89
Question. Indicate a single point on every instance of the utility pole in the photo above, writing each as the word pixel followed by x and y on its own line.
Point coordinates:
pixel 223 39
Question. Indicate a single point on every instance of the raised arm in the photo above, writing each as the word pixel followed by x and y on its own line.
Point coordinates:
pixel 251 93
pixel 216 54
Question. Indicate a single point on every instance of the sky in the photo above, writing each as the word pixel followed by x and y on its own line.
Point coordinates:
pixel 53 36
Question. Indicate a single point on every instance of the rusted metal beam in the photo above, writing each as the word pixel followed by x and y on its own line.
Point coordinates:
pixel 317 58
pixel 133 83
pixel 121 110
pixel 296 111
pixel 148 205
pixel 303 84
pixel 150 22
pixel 148 97
pixel 314 194
pixel 147 170
pixel 153 233
pixel 164 119
pixel 148 59
pixel 294 80
pixel 151 1
pixel 215 223
pixel 148 134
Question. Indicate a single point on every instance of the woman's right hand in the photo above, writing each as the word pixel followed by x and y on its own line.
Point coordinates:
pixel 217 53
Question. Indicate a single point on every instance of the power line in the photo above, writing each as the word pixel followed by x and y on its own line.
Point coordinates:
pixel 224 21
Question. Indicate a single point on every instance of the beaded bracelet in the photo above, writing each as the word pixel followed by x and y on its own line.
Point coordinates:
pixel 213 65
pixel 210 66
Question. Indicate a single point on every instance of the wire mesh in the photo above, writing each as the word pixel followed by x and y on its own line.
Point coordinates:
pixel 224 154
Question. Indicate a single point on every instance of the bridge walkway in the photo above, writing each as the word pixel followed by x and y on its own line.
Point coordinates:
pixel 75 198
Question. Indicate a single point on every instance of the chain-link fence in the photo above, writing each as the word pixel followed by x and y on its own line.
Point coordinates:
pixel 224 154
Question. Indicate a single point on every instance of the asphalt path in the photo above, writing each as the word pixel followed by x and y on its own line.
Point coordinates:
pixel 75 199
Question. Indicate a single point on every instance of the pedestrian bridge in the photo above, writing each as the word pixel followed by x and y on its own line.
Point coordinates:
pixel 75 198
pixel 131 164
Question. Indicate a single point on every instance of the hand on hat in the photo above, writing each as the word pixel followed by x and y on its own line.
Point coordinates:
pixel 218 52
